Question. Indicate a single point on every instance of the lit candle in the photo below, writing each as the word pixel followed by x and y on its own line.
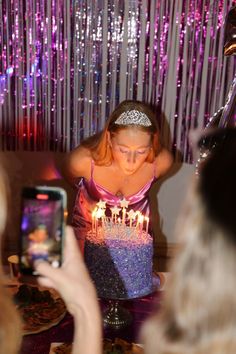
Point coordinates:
pixel 115 211
pixel 124 204
pixel 123 215
pixel 96 223
pixel 101 215
pixel 101 204
pixel 141 218
pixel 93 219
pixel 131 215
pixel 137 214
pixel 147 223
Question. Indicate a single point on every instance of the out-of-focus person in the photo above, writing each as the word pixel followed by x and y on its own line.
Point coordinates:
pixel 198 314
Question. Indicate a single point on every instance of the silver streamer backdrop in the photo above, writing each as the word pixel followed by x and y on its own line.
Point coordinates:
pixel 65 65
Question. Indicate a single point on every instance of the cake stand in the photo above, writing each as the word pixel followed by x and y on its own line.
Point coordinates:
pixel 116 316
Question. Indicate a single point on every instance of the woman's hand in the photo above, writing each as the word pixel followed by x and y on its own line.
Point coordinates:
pixel 75 286
pixel 72 280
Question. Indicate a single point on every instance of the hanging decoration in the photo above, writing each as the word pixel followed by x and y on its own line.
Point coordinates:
pixel 65 65
pixel 225 116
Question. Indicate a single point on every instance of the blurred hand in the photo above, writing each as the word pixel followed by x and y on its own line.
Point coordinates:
pixel 75 286
pixel 72 279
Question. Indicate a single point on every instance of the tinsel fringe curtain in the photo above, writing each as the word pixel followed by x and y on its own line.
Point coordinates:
pixel 65 65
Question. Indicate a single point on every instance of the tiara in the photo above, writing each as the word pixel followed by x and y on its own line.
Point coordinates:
pixel 133 117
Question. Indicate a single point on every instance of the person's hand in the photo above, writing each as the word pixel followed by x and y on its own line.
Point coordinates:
pixel 72 280
pixel 75 286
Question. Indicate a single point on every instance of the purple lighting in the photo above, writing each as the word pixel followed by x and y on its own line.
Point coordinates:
pixel 65 65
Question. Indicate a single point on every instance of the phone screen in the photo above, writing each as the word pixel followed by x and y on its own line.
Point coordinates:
pixel 42 225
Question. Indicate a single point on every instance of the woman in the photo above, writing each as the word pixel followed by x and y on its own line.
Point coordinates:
pixel 123 161
pixel 198 314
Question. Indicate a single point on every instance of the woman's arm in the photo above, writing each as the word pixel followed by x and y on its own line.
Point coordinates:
pixel 163 162
pixel 75 286
pixel 77 164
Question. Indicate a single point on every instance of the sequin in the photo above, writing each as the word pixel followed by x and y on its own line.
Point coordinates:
pixel 119 260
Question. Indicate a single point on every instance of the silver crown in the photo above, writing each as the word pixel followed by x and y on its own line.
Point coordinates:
pixel 133 117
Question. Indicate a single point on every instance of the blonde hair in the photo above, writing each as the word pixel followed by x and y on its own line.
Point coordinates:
pixel 98 144
pixel 198 314
pixel 10 323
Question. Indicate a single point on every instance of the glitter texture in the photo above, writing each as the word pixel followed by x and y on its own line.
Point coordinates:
pixel 67 64
pixel 119 259
pixel 133 117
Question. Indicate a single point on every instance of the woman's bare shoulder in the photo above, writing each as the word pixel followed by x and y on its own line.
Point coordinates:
pixel 163 162
pixel 78 162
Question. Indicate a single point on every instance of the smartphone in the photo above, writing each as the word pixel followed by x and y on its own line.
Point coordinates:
pixel 43 217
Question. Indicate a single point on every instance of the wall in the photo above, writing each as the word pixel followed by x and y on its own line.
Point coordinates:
pixel 170 193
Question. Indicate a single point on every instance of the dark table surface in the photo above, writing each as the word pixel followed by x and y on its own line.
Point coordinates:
pixel 140 309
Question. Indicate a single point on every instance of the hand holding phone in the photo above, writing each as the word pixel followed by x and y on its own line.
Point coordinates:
pixel 72 281
pixel 42 226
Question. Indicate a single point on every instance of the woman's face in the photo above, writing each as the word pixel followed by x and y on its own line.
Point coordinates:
pixel 130 148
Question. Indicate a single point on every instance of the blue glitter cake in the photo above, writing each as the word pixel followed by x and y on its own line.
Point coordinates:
pixel 119 259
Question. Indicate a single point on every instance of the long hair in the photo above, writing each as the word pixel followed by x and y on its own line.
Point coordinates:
pixel 10 323
pixel 98 143
pixel 198 314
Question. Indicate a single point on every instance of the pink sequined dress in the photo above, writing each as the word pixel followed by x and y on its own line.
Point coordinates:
pixel 89 193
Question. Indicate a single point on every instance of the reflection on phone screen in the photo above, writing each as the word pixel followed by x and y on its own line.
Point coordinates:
pixel 41 232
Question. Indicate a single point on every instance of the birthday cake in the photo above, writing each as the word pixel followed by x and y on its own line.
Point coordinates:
pixel 119 259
